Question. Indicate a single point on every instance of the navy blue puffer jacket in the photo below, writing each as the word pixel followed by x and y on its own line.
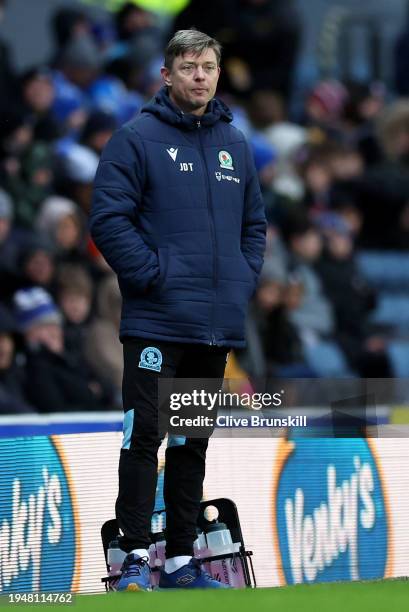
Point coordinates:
pixel 178 215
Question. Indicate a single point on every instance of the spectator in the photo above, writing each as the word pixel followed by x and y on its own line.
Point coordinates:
pixel 25 166
pixel 61 386
pixel 313 317
pixel 384 193
pixel 363 106
pixel 102 347
pixel 267 111
pixel 139 43
pixel 37 98
pixel 98 130
pixel 61 221
pixel 353 301
pixel 315 170
pixel 274 345
pixel 82 86
pixel 74 292
pixel 74 297
pixel 324 108
pixel 76 166
pixel 80 63
pixel 36 263
pixel 12 373
pixel 67 24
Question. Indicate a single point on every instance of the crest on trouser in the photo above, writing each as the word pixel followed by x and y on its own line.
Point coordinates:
pixel 151 359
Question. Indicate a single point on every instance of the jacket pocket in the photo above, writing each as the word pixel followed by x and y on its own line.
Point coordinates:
pixel 163 258
pixel 249 272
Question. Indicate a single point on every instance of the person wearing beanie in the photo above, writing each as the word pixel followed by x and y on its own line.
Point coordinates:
pixel 67 24
pixel 60 384
pixel 81 87
pixel 98 130
pixel 75 170
pixel 61 221
pixel 326 102
pixel 35 262
pixel 81 61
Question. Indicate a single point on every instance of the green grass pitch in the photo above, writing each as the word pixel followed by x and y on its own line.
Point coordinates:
pixel 378 596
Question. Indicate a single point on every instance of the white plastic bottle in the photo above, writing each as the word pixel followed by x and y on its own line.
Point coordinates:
pixel 157 556
pixel 236 571
pixel 200 549
pixel 228 570
pixel 116 557
pixel 157 550
pixel 219 542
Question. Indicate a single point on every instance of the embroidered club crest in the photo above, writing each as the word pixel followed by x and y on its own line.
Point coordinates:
pixel 226 160
pixel 151 359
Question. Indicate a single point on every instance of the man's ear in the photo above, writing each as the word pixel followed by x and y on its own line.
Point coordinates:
pixel 166 76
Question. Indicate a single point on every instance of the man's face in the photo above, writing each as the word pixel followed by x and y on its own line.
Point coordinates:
pixel 192 81
pixel 46 334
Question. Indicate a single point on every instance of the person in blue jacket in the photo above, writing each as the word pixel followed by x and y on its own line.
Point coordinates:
pixel 177 213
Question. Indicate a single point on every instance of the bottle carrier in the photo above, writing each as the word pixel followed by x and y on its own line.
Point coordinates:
pixel 233 566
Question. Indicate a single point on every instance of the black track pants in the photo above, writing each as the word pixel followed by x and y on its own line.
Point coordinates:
pixel 138 464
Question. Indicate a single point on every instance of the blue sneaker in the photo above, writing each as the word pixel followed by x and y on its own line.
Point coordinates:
pixel 190 576
pixel 136 574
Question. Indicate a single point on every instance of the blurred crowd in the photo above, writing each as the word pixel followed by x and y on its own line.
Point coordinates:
pixel 335 181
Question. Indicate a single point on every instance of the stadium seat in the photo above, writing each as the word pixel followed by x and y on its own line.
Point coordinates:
pixel 392 310
pixel 385 270
pixel 326 359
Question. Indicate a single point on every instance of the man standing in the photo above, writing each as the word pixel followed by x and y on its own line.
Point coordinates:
pixel 178 215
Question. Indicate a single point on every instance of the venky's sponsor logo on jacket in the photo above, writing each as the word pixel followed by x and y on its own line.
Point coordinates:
pixel 330 512
pixel 39 533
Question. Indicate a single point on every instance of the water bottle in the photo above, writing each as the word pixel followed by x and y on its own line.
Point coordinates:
pixel 219 542
pixel 218 539
pixel 237 577
pixel 200 549
pixel 160 545
pixel 116 557
pixel 157 556
pixel 228 570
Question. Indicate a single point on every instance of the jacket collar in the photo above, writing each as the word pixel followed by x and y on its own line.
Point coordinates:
pixel 162 107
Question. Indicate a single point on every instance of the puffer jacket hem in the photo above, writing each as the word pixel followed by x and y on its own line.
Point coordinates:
pixel 179 339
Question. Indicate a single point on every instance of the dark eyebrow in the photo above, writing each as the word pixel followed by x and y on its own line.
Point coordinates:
pixel 209 63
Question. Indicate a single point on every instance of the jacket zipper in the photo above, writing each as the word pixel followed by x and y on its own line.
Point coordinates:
pixel 213 233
